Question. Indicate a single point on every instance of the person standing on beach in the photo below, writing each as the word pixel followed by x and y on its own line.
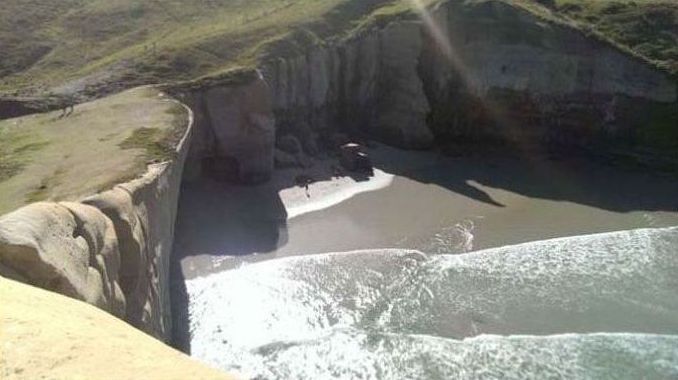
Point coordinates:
pixel 305 181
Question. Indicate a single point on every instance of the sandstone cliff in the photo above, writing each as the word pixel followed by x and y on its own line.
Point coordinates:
pixel 67 339
pixel 509 76
pixel 476 71
pixel 111 250
pixel 368 85
pixel 234 130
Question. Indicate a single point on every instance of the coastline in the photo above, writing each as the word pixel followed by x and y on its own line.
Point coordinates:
pixel 433 204
pixel 327 193
pixel 417 200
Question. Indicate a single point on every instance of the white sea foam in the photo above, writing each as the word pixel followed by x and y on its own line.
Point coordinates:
pixel 358 354
pixel 397 313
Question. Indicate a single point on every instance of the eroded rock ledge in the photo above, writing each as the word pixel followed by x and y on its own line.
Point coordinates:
pixel 66 339
pixel 111 250
pixel 235 130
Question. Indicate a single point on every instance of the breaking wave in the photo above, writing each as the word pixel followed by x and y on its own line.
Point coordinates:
pixel 580 307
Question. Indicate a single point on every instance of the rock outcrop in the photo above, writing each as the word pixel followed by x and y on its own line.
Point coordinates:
pixel 235 127
pixel 354 158
pixel 111 250
pixel 69 248
pixel 501 73
pixel 367 85
pixel 476 71
pixel 49 336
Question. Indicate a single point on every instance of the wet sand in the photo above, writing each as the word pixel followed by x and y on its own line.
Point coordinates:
pixel 419 200
pixel 423 201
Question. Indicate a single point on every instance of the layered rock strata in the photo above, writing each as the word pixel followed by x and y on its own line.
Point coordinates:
pixel 476 71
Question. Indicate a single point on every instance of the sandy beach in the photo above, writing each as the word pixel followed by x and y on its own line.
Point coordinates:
pixel 325 193
pixel 418 200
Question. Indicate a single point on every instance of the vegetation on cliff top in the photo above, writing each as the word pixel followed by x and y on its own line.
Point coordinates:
pixel 647 27
pixel 91 46
pixel 102 143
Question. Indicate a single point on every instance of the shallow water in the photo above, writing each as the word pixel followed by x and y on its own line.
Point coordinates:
pixel 434 204
pixel 402 314
pixel 434 297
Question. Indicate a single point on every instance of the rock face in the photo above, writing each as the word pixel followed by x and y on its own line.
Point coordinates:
pixel 234 123
pixel 88 262
pixel 365 85
pixel 284 160
pixel 402 107
pixel 475 71
pixel 111 250
pixel 501 74
pixel 354 158
pixel 66 339
pixel 290 144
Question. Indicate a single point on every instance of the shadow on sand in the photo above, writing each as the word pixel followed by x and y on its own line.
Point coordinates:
pixel 214 219
pixel 221 219
pixel 575 179
pixel 217 219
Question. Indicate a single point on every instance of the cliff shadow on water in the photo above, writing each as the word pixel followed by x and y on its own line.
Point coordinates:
pixel 217 218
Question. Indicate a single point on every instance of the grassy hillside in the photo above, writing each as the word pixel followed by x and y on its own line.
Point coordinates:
pixel 648 27
pixel 46 42
pixel 86 45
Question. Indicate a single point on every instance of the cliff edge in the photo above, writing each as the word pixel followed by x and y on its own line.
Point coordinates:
pixel 104 231
pixel 67 339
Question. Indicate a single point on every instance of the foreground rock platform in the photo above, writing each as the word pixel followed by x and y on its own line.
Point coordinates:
pixel 45 335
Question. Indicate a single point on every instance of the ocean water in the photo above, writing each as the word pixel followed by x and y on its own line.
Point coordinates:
pixel 584 307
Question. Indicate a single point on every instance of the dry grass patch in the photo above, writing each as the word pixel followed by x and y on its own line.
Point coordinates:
pixel 49 157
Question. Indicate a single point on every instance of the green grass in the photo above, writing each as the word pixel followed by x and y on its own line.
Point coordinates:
pixel 147 139
pixel 103 143
pixel 47 43
pixel 42 191
pixel 15 150
pixel 136 42
pixel 647 27
pixel 159 144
